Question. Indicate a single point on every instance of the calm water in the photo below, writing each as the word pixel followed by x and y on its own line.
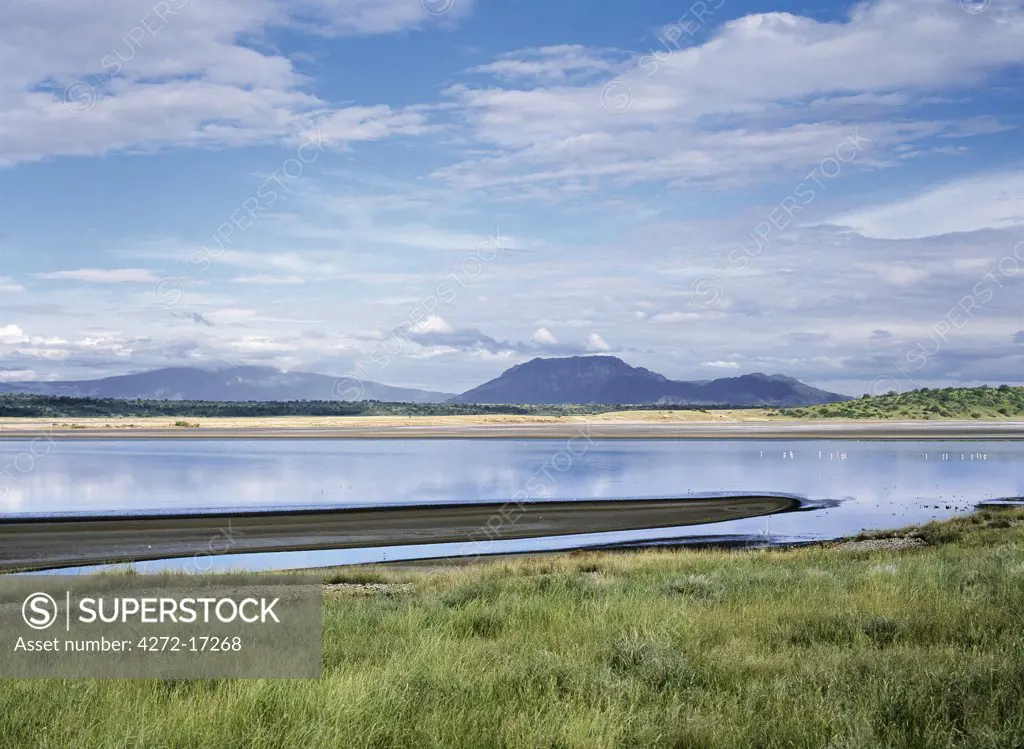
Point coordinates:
pixel 879 484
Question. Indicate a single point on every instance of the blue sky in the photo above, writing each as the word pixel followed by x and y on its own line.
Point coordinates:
pixel 427 193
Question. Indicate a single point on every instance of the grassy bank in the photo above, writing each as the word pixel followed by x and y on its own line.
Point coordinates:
pixel 810 647
pixel 1003 402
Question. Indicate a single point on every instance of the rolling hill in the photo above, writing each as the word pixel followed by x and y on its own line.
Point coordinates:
pixel 245 383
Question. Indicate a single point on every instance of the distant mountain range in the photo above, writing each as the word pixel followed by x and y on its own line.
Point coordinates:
pixel 577 379
pixel 608 379
pixel 227 384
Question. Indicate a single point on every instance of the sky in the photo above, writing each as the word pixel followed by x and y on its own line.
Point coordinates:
pixel 427 192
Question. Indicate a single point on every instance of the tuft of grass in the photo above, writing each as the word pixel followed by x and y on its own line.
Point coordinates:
pixel 805 647
pixel 358 575
pixel 970 528
pixel 701 587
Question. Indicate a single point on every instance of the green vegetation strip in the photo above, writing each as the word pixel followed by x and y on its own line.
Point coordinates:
pixel 1003 402
pixel 63 407
pixel 810 647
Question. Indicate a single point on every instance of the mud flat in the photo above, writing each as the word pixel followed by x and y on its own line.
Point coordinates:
pixel 40 543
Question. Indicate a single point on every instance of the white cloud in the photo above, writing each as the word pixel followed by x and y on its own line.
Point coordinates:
pixel 721 364
pixel 294 263
pixel 910 273
pixel 259 345
pixel 726 112
pixel 89 79
pixel 11 333
pixel 262 279
pixel 543 337
pixel 596 343
pixel 432 324
pixel 553 64
pixel 358 17
pixel 983 201
pixel 230 315
pixel 674 317
pixel 9 286
pixel 102 275
pixel 367 123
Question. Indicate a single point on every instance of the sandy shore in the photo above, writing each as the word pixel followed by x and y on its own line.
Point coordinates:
pixel 739 424
pixel 9 424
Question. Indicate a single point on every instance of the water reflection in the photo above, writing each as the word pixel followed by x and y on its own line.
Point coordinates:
pixel 885 484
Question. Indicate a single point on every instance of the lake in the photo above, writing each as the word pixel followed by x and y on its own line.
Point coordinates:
pixel 849 485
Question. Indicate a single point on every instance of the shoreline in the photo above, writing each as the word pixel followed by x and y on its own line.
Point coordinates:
pixel 521 428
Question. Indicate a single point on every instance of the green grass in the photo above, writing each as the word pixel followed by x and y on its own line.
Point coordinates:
pixel 22 405
pixel 812 647
pixel 1003 402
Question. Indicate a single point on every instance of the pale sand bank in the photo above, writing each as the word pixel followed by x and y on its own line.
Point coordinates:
pixel 331 422
pixel 619 425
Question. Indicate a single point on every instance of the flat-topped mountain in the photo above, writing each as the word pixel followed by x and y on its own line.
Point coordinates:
pixel 608 379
